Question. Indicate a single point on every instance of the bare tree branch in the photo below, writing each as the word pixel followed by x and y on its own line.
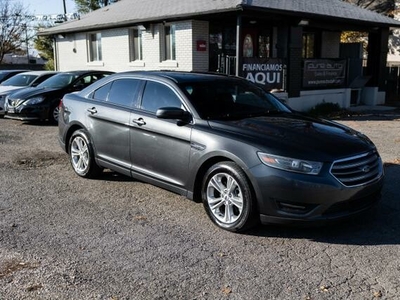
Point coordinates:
pixel 13 27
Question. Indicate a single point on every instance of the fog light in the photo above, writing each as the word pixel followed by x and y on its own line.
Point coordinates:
pixel 295 208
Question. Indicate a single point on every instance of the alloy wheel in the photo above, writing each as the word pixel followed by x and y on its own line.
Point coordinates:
pixel 80 154
pixel 225 198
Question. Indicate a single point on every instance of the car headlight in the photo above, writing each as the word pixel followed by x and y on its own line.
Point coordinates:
pixel 34 100
pixel 290 164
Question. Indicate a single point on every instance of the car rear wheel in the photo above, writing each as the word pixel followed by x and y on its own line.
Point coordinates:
pixel 228 198
pixel 82 155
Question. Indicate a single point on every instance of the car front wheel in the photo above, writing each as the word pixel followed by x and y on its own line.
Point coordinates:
pixel 54 114
pixel 228 198
pixel 82 155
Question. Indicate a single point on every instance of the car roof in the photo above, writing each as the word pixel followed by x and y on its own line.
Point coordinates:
pixel 180 76
pixel 13 71
pixel 81 72
pixel 38 73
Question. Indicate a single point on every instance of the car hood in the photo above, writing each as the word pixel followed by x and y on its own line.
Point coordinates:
pixel 32 92
pixel 9 88
pixel 297 136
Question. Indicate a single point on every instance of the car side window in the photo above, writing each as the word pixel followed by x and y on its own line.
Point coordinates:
pixel 41 79
pixel 124 91
pixel 157 95
pixel 102 93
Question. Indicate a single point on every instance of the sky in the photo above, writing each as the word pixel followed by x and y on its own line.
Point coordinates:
pixel 48 7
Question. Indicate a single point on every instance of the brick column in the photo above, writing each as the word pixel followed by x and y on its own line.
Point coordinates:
pixel 377 58
pixel 295 60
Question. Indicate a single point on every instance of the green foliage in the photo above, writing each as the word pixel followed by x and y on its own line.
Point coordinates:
pixel 49 65
pixel 44 45
pixel 324 109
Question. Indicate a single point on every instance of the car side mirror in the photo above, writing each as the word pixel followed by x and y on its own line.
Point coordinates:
pixel 173 113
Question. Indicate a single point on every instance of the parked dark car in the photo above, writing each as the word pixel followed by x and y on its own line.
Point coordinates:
pixel 19 82
pixel 41 102
pixel 224 141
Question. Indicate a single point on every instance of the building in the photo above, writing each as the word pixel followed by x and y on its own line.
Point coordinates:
pixel 16 59
pixel 291 46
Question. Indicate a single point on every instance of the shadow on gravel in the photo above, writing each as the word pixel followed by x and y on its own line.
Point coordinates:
pixel 108 175
pixel 366 115
pixel 379 226
pixel 39 123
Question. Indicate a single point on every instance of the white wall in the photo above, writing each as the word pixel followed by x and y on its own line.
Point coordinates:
pixel 308 99
pixel 72 55
pixel 200 58
pixel 72 50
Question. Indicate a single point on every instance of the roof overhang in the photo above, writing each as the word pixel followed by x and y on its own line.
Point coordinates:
pixel 340 15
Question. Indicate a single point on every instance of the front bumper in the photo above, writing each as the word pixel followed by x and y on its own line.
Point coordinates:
pixel 27 113
pixel 285 197
pixel 2 106
pixel 339 211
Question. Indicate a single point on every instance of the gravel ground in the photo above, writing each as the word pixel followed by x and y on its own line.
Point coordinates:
pixel 64 237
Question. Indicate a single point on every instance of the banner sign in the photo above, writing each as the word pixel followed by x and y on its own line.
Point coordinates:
pixel 324 73
pixel 265 71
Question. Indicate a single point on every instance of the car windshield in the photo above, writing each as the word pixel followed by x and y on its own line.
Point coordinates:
pixel 19 80
pixel 231 99
pixel 3 75
pixel 58 81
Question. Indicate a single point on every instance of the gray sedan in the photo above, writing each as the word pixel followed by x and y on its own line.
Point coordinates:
pixel 223 141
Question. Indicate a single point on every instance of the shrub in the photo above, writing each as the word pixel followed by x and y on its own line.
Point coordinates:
pixel 324 109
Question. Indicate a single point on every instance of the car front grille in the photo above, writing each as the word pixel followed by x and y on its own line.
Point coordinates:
pixel 358 170
pixel 13 102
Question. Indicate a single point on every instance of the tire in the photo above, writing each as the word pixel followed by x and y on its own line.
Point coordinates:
pixel 227 197
pixel 81 155
pixel 54 114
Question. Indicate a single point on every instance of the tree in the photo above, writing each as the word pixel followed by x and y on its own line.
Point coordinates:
pixel 385 7
pixel 44 45
pixel 14 31
pixel 85 6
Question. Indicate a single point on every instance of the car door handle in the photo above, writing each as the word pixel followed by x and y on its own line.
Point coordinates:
pixel 92 110
pixel 139 121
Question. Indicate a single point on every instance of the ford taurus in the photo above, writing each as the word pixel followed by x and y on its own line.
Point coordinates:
pixel 223 141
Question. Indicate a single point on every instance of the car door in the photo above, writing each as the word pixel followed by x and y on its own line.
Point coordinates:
pixel 108 119
pixel 160 149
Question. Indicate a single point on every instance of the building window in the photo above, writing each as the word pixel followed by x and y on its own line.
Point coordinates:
pixel 169 43
pixel 309 45
pixel 136 48
pixel 95 47
pixel 264 44
pixel 248 47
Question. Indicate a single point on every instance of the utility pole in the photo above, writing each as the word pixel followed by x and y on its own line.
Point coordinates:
pixel 25 26
pixel 65 12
